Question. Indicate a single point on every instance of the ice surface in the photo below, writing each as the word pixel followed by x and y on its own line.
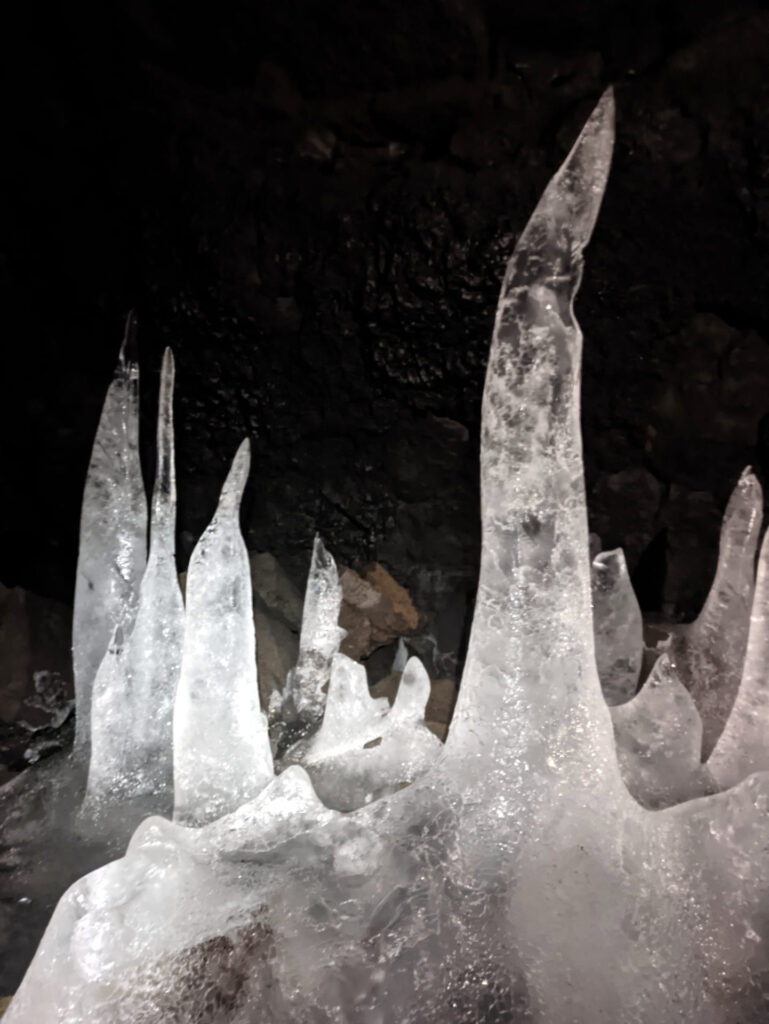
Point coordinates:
pixel 516 879
pixel 617 627
pixel 743 746
pixel 222 756
pixel 659 737
pixel 131 715
pixel 352 715
pixel 113 533
pixel 530 691
pixel 365 749
pixel 708 654
pixel 304 696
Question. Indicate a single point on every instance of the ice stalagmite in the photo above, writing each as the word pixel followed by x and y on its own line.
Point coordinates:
pixel 413 693
pixel 352 715
pixel 113 533
pixel 617 627
pixel 304 697
pixel 365 749
pixel 530 690
pixel 743 746
pixel 659 736
pixel 131 716
pixel 708 654
pixel 222 755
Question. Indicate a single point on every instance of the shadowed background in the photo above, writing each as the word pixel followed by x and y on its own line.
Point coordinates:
pixel 313 204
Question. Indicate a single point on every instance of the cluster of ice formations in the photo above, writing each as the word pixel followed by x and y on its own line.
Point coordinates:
pixel 565 858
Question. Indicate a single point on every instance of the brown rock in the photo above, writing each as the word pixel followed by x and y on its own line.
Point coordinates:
pixel 443 697
pixel 375 611
pixel 273 588
pixel 277 622
pixel 277 648
pixel 405 614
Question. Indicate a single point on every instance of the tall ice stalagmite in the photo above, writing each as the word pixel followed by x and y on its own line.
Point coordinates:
pixel 222 754
pixel 131 735
pixel 530 689
pixel 113 533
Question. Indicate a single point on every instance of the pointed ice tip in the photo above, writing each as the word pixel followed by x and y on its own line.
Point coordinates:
pixel 321 558
pixel 747 489
pixel 565 215
pixel 615 558
pixel 167 375
pixel 585 171
pixel 235 484
pixel 129 352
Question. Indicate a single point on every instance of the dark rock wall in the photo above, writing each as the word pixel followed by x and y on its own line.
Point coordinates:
pixel 313 203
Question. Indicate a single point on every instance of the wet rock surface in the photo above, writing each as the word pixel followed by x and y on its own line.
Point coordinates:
pixel 36 690
pixel 313 204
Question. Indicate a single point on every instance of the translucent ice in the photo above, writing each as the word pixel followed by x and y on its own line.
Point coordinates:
pixel 659 737
pixel 304 696
pixel 222 755
pixel 113 533
pixel 743 746
pixel 617 627
pixel 131 716
pixel 365 749
pixel 708 654
pixel 351 715
pixel 516 879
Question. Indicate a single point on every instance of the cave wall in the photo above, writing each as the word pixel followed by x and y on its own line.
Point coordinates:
pixel 313 204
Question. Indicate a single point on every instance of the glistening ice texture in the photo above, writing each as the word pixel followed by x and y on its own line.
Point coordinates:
pixel 516 880
pixel 303 699
pixel 659 737
pixel 708 655
pixel 743 746
pixel 365 749
pixel 617 627
pixel 113 533
pixel 222 753
pixel 131 735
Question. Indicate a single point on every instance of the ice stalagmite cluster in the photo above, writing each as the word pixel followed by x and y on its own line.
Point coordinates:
pixel 135 686
pixel 558 861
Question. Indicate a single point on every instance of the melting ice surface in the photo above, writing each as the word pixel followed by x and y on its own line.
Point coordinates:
pixel 508 876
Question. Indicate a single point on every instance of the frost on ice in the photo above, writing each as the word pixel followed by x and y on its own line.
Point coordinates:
pixel 113 533
pixel 514 878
